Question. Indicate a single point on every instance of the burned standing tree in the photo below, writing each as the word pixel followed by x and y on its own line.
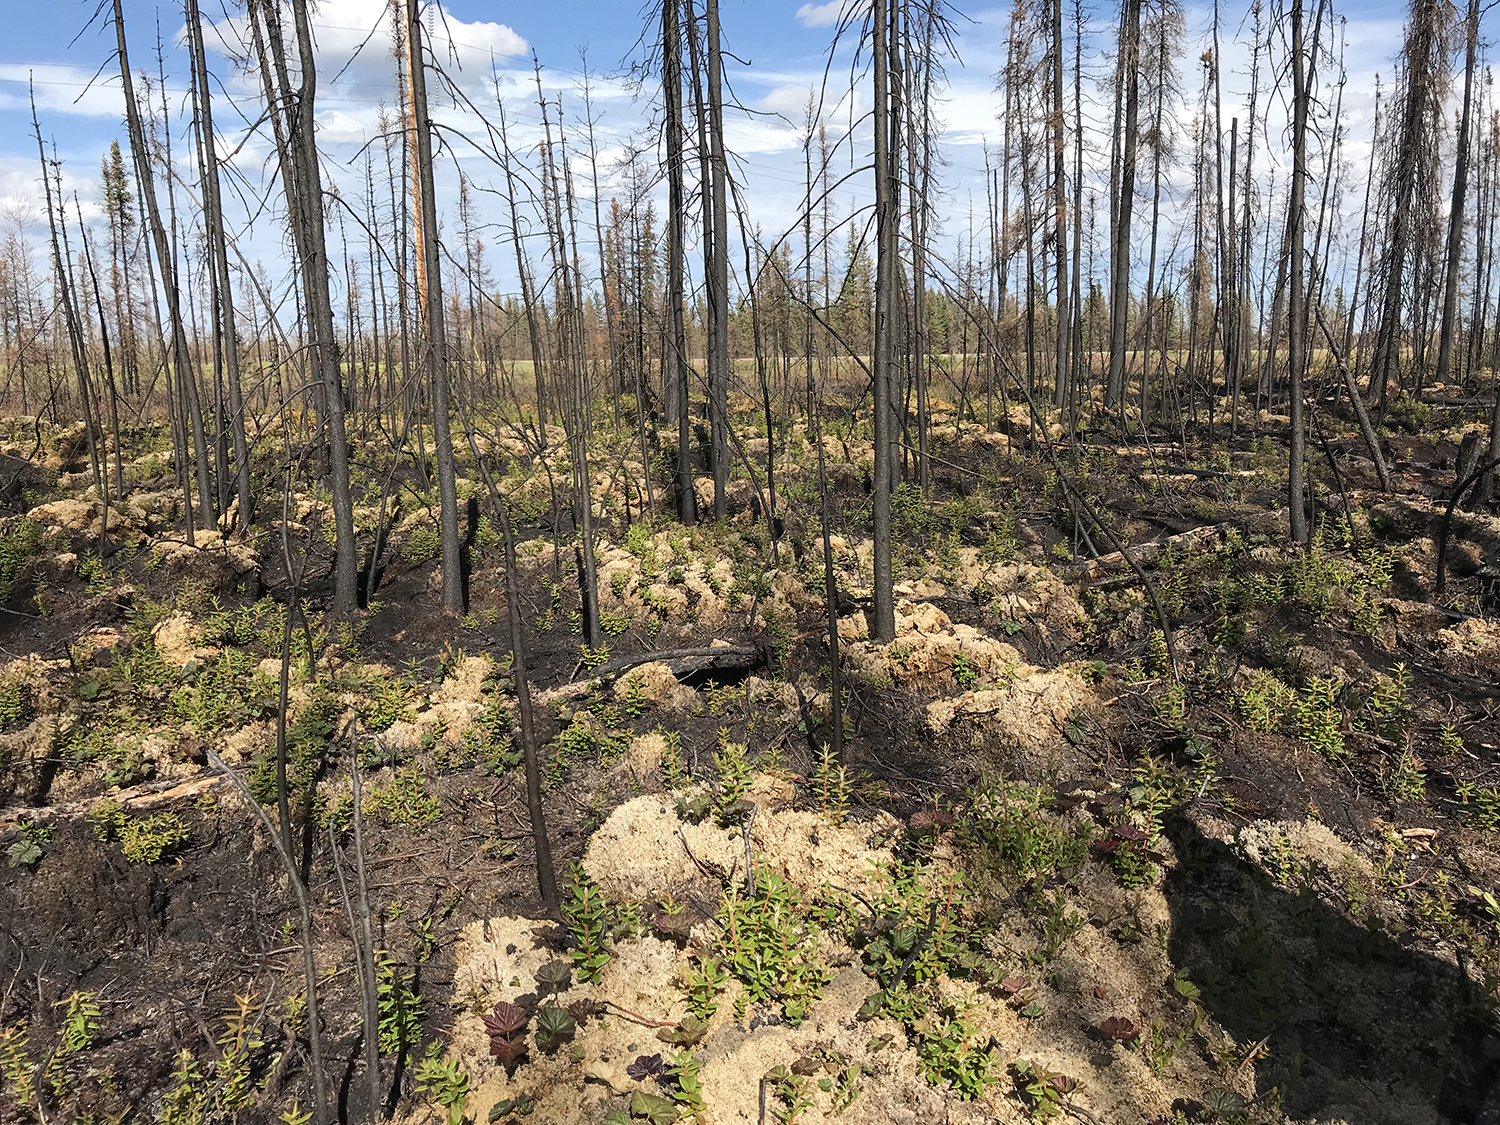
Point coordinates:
pixel 181 364
pixel 887 218
pixel 291 112
pixel 430 312
pixel 213 222
pixel 675 363
pixel 1122 204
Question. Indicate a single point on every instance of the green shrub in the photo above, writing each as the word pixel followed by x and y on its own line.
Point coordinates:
pixel 424 544
pixel 148 839
pixel 1015 836
pixel 19 546
pixel 404 799
pixel 15 701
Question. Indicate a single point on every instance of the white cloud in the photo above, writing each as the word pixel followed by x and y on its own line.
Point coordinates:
pixel 354 58
pixel 60 89
pixel 829 14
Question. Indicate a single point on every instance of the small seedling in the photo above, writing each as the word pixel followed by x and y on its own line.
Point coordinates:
pixel 689 1030
pixel 646 1067
pixel 702 980
pixel 80 1023
pixel 733 766
pixel 833 784
pixel 1121 1030
pixel 400 1007
pixel 685 1072
pixel 791 1091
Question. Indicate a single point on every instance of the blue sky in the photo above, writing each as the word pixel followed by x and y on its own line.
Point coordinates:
pixel 782 44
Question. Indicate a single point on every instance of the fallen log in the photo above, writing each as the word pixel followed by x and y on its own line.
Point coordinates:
pixel 151 797
pixel 1198 539
pixel 680 662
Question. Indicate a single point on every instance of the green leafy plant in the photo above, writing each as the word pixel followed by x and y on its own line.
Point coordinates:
pixel 446 1084
pixel 554 1027
pixel 792 1091
pixel 673 773
pixel 916 925
pixel 731 761
pixel 1126 849
pixel 185 1100
pixel 15 701
pixel 23 853
pixel 148 839
pixel 19 546
pixel 1389 706
pixel 1406 780
pixel 1265 702
pixel 1450 740
pixel 685 1072
pixel 1162 1046
pixel 400 1007
pixel 843 1088
pixel 29 848
pixel 237 1043
pixel 1042 1091
pixel 1319 719
pixel 948 1052
pixel 833 786
pixel 1010 829
pixel 19 1071
pixel 404 799
pixel 423 544
pixel 80 1022
pixel 655 1109
pixel 703 978
pixel 385 702
pixel 965 674
pixel 587 917
pixel 769 943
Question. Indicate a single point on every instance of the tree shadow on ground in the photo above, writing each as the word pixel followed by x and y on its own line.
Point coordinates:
pixel 1357 1026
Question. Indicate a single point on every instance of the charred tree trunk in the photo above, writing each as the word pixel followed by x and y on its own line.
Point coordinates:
pixel 213 224
pixel 883 628
pixel 430 308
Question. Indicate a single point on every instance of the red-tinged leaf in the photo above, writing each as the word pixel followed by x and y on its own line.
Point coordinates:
pixel 1010 986
pixel 505 1020
pixel 1120 1029
pixel 507 1051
